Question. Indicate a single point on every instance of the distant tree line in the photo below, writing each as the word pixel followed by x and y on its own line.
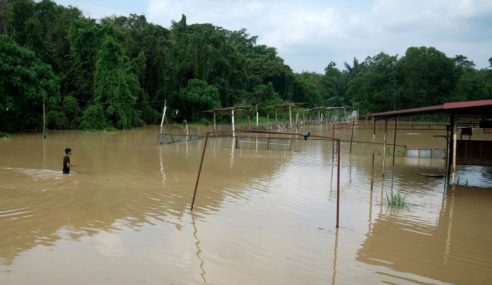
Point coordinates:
pixel 117 72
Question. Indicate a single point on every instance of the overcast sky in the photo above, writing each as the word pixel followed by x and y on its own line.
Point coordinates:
pixel 308 34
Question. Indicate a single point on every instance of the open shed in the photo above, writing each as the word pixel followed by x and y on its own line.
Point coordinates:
pixel 232 111
pixel 463 118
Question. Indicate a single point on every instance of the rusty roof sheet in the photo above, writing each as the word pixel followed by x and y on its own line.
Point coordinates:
pixel 446 107
pixel 226 109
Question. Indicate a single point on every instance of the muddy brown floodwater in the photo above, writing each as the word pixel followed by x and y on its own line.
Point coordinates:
pixel 261 216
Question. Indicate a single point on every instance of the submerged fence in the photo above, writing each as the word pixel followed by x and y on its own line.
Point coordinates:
pixel 277 136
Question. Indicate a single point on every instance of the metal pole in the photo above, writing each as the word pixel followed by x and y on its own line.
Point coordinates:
pixel 338 183
pixel 333 142
pixel 352 135
pixel 394 139
pixel 373 143
pixel 384 143
pixel 199 171
pixel 215 122
pixel 455 130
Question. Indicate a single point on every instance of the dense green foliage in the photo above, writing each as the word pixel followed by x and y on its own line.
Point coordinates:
pixel 25 82
pixel 117 72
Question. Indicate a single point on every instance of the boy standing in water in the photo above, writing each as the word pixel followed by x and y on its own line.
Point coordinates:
pixel 66 161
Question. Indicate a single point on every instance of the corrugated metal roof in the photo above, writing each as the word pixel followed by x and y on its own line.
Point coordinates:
pixel 446 107
pixel 467 104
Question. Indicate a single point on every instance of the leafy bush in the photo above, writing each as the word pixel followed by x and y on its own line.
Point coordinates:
pixel 94 118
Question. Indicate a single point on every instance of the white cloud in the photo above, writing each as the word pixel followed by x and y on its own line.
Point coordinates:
pixel 310 33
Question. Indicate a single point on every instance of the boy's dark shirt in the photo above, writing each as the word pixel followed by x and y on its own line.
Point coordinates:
pixel 66 161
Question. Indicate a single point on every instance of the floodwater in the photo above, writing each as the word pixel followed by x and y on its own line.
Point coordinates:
pixel 261 216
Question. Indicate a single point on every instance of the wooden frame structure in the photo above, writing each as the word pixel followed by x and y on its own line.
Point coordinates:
pixel 232 110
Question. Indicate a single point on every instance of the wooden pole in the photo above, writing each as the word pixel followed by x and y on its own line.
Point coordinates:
pixel 233 124
pixel 394 140
pixel 290 116
pixel 163 114
pixel 384 143
pixel 256 108
pixel 297 116
pixel 44 120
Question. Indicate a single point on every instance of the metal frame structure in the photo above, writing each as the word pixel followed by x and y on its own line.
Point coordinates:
pixel 466 114
pixel 296 135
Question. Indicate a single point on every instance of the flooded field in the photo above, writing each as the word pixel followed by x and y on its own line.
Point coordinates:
pixel 261 216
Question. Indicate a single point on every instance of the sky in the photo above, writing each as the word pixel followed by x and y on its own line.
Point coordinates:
pixel 308 34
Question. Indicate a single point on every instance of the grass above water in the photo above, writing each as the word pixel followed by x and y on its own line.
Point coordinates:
pixel 396 200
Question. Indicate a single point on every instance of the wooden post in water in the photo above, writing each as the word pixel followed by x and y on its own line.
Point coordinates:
pixel 233 124
pixel 297 116
pixel 163 114
pixel 384 142
pixel 394 139
pixel 44 120
pixel 256 109
pixel 290 116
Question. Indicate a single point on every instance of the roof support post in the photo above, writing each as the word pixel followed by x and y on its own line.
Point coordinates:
pixel 455 130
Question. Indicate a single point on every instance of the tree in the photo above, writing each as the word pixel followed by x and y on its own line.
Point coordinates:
pixel 25 83
pixel 374 87
pixel 427 77
pixel 196 97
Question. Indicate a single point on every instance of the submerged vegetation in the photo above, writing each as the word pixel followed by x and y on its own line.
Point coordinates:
pixel 396 200
pixel 118 71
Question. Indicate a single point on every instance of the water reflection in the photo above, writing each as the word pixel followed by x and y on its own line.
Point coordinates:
pixel 446 250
